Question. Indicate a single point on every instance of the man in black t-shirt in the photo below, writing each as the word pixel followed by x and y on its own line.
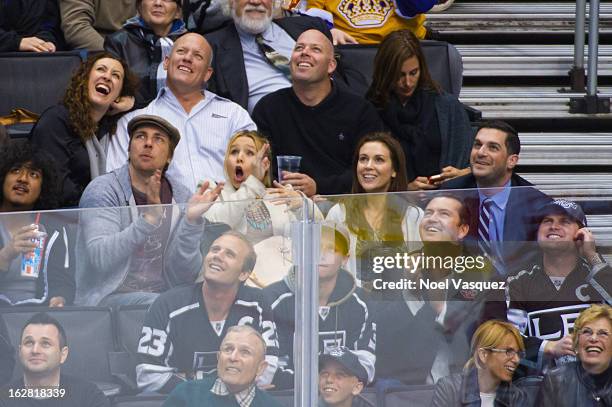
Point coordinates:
pixel 43 349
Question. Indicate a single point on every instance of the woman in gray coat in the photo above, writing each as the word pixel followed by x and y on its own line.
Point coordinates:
pixel 432 126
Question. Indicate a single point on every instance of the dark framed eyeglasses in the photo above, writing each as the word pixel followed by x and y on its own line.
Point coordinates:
pixel 510 353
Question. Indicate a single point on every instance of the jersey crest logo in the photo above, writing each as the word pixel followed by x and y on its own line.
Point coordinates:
pixel 365 13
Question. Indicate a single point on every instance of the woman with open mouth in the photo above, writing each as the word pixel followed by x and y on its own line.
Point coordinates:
pixel 252 203
pixel 588 381
pixel 486 381
pixel 432 126
pixel 75 131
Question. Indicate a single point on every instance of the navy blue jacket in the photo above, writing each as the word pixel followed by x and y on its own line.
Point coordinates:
pixel 521 220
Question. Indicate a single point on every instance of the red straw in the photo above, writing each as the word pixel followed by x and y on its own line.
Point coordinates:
pixel 37 220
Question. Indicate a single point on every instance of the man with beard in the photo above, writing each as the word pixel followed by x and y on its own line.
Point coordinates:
pixel 251 53
pixel 546 297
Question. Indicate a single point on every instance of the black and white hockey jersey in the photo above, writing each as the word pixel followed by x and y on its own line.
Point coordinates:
pixel 543 312
pixel 178 338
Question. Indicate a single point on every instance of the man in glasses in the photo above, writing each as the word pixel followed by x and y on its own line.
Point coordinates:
pixel 546 297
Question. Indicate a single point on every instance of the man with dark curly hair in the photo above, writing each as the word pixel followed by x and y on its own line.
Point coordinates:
pixel 29 183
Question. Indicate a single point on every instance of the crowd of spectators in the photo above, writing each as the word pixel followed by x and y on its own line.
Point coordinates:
pixel 163 153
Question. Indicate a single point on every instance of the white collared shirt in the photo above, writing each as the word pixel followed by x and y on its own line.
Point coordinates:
pixel 205 133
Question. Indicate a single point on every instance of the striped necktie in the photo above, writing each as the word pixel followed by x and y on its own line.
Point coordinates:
pixel 484 241
pixel 275 59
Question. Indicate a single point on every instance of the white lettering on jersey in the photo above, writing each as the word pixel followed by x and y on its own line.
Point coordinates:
pixel 152 341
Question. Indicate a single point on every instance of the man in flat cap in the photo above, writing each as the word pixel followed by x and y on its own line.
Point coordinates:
pixel 131 254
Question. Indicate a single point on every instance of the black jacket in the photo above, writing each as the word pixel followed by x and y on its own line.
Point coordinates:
pixel 138 45
pixel 571 386
pixel 54 133
pixel 461 390
pixel 229 77
pixel 29 18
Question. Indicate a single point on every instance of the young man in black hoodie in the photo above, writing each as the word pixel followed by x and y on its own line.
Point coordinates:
pixel 344 313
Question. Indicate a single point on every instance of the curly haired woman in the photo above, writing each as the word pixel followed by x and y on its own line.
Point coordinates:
pixel 74 131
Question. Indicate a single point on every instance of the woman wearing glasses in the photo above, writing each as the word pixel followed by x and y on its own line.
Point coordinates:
pixel 486 381
pixel 588 381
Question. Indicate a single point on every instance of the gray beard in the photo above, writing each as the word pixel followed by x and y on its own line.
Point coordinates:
pixel 249 25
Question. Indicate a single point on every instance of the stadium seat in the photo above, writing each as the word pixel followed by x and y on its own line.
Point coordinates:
pixel 90 339
pixel 129 320
pixel 128 326
pixel 284 397
pixel 443 61
pixel 414 396
pixel 143 400
pixel 35 81
pixel 531 385
pixel 369 396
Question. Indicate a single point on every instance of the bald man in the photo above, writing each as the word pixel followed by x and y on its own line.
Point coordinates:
pixel 240 361
pixel 205 121
pixel 320 121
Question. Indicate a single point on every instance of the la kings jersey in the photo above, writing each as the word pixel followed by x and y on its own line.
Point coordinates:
pixel 348 323
pixel 177 336
pixel 542 312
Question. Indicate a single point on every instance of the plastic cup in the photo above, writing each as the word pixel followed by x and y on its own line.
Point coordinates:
pixel 290 163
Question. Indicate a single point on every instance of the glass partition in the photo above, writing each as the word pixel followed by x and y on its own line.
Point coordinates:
pixel 398 282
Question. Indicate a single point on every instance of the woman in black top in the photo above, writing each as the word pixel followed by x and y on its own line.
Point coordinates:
pixel 432 126
pixel 73 131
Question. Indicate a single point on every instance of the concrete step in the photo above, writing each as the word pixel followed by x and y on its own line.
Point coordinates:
pixel 535 102
pixel 597 185
pixel 566 149
pixel 514 18
pixel 526 60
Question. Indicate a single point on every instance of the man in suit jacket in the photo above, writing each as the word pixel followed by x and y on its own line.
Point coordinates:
pixel 514 203
pixel 241 72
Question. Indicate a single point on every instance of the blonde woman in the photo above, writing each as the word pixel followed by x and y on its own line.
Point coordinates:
pixel 588 381
pixel 496 349
pixel 254 205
